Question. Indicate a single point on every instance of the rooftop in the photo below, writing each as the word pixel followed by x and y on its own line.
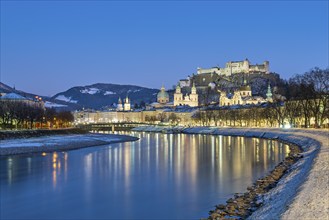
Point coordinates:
pixel 13 96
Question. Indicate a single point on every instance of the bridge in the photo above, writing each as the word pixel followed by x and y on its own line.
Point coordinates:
pixel 111 126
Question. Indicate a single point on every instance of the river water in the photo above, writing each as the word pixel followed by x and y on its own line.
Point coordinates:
pixel 168 176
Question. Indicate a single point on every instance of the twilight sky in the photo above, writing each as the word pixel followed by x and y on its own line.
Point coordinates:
pixel 50 46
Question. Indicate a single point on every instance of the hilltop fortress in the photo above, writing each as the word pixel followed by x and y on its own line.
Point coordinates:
pixel 233 67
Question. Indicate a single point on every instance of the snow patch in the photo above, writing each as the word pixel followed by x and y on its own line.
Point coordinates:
pixel 56 140
pixel 91 91
pixel 66 99
pixel 109 93
pixel 53 105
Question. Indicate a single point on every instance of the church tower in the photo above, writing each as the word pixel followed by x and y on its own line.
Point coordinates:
pixel 222 98
pixel 245 90
pixel 119 107
pixel 178 96
pixel 126 105
pixel 269 96
pixel 194 97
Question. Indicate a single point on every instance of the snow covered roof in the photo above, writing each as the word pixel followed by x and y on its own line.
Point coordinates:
pixel 154 104
pixel 13 96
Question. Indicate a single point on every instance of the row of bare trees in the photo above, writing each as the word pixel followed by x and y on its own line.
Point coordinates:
pixel 272 115
pixel 171 118
pixel 20 114
pixel 309 95
pixel 244 117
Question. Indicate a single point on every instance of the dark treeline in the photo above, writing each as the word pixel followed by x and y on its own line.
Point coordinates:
pixel 26 115
pixel 307 105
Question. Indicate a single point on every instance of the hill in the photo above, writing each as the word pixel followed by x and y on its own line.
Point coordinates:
pixel 103 95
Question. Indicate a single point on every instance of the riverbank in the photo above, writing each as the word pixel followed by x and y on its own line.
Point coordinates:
pixel 14 134
pixel 59 143
pixel 302 190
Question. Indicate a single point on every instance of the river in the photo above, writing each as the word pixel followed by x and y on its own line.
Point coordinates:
pixel 168 176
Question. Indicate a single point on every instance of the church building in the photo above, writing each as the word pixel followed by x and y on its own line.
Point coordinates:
pixel 162 100
pixel 243 96
pixel 190 100
pixel 124 106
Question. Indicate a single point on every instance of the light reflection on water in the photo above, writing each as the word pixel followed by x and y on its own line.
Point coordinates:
pixel 159 176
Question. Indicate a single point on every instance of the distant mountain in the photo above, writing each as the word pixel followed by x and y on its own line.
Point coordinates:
pixel 5 88
pixel 101 95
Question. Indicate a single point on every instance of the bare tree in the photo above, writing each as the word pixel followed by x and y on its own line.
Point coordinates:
pixel 174 119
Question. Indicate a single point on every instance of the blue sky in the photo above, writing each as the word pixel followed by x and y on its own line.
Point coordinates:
pixel 49 46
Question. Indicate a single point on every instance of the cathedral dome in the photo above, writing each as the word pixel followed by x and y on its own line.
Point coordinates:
pixel 163 96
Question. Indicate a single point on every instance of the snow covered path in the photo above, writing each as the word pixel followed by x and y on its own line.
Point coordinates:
pixel 303 193
pixel 59 142
pixel 312 202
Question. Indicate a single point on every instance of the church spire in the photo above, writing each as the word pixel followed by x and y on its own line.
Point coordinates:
pixel 127 99
pixel 269 92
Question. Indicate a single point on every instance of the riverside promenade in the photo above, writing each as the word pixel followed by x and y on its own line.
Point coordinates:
pixel 303 192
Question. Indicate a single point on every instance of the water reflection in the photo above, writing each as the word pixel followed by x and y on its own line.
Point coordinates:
pixel 179 176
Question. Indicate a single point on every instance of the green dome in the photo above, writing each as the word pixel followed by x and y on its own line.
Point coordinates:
pixel 163 94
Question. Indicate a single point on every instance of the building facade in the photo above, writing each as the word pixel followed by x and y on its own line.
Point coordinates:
pixel 185 82
pixel 243 96
pixel 183 116
pixel 14 97
pixel 234 67
pixel 120 105
pixel 191 100
pixel 125 105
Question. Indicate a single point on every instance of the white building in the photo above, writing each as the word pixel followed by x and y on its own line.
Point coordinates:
pixel 190 100
pixel 234 67
pixel 243 96
pixel 185 82
pixel 126 105
pixel 119 106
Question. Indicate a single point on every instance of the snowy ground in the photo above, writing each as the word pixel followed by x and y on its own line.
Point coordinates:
pixel 303 193
pixel 58 142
